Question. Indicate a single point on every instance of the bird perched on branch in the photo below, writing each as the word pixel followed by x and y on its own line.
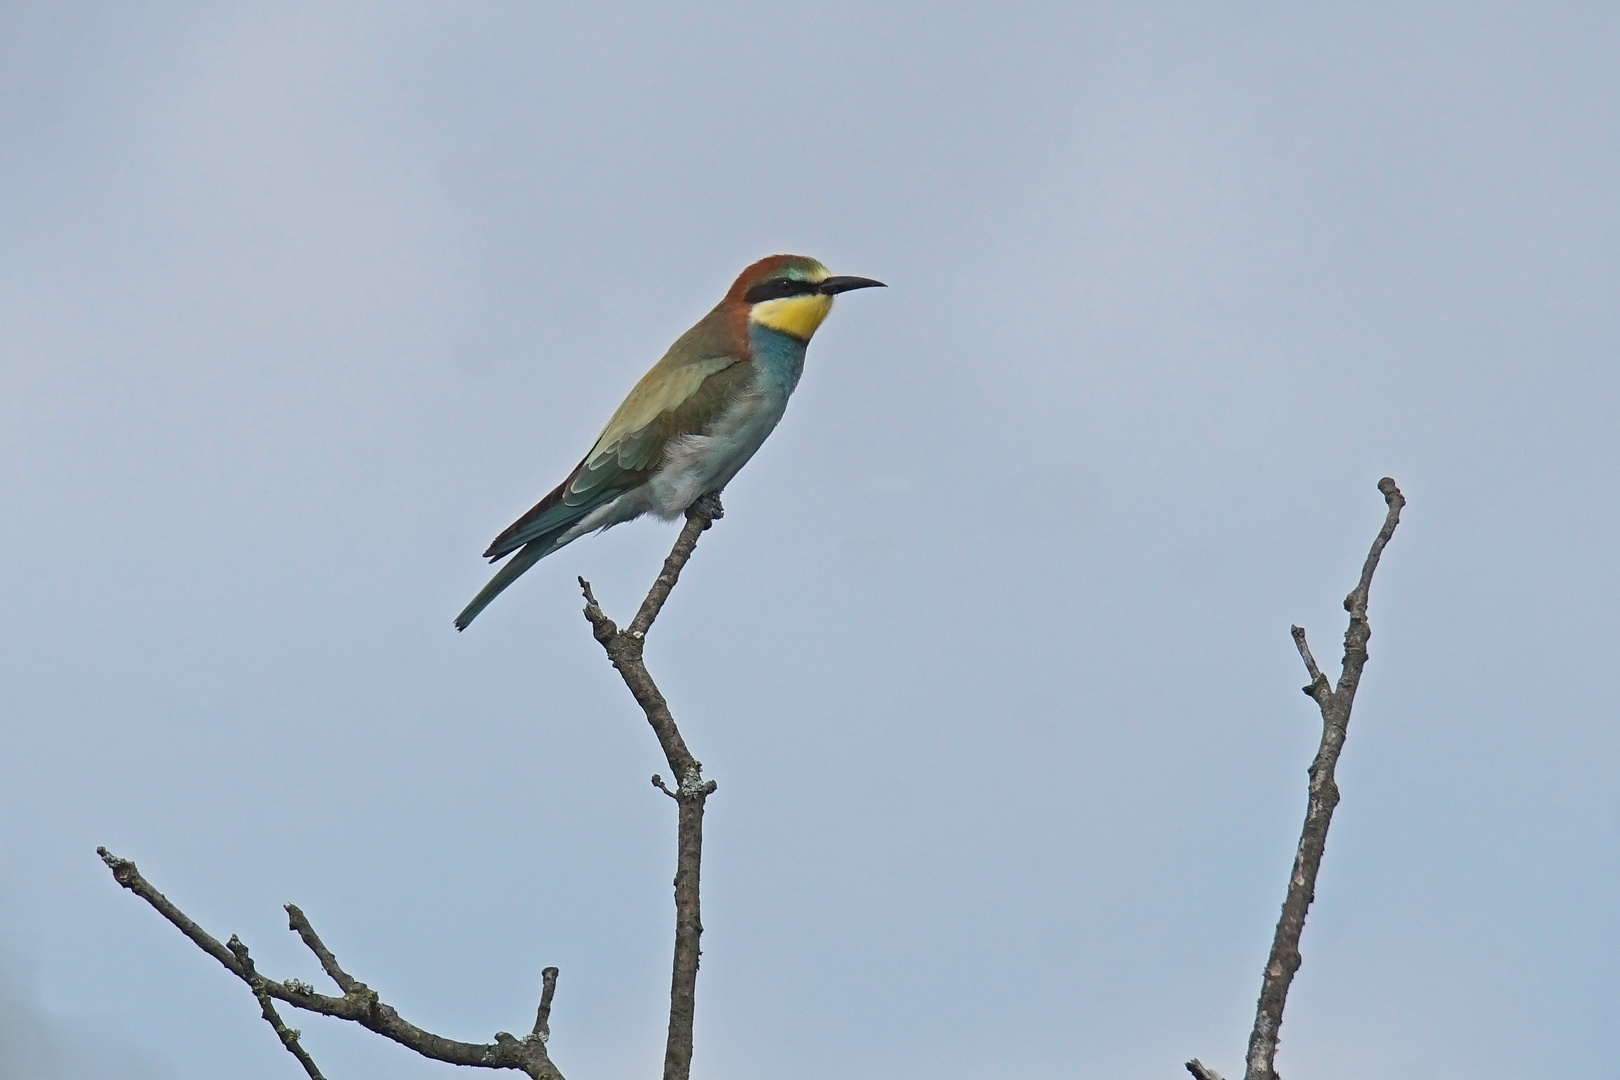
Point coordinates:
pixel 691 422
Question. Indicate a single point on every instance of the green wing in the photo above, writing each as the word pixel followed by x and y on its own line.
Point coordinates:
pixel 673 399
pixel 628 452
pixel 683 394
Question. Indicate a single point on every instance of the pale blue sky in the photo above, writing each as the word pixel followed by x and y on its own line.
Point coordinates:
pixel 299 305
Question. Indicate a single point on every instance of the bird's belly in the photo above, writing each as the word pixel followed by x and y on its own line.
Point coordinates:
pixel 695 465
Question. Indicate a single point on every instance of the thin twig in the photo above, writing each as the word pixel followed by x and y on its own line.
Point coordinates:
pixel 359 1002
pixel 624 648
pixel 124 872
pixel 299 924
pixel 1319 682
pixel 1335 705
pixel 289 1036
pixel 542 1015
pixel 702 514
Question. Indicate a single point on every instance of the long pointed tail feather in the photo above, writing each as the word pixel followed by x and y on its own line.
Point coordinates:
pixel 525 557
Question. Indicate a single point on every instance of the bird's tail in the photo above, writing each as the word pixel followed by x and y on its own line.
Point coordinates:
pixel 526 556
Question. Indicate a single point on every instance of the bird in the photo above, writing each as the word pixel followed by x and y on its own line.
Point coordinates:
pixel 691 422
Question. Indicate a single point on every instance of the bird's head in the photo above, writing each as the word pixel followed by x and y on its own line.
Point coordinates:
pixel 791 293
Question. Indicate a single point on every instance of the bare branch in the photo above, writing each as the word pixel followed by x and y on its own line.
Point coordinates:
pixel 703 513
pixel 1202 1071
pixel 359 1002
pixel 542 1015
pixel 124 872
pixel 1335 705
pixel 1357 600
pixel 1319 684
pixel 624 648
pixel 288 1036
pixel 361 1005
pixel 299 924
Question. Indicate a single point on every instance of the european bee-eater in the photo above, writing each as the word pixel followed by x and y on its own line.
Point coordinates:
pixel 691 422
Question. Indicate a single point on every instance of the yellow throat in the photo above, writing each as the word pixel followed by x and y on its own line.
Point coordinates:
pixel 797 316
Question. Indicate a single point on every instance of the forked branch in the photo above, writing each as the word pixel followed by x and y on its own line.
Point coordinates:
pixel 1334 703
pixel 624 648
pixel 359 1002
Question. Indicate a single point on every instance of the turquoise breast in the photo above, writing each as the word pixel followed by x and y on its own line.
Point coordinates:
pixel 778 360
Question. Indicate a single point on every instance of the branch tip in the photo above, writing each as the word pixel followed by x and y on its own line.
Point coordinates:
pixel 299 924
pixel 1335 705
pixel 123 870
pixel 542 1015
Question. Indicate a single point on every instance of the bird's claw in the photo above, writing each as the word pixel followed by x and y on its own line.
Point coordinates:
pixel 708 505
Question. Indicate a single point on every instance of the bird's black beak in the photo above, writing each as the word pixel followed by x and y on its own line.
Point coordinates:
pixel 835 285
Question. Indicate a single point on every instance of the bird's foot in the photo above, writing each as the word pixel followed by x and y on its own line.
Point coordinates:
pixel 707 506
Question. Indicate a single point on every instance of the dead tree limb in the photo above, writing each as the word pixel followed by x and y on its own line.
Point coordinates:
pixel 359 1002
pixel 624 648
pixel 1334 704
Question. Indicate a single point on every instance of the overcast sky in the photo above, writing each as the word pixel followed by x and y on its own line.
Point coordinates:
pixel 300 305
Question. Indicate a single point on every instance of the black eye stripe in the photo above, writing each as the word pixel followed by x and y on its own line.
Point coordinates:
pixel 778 289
